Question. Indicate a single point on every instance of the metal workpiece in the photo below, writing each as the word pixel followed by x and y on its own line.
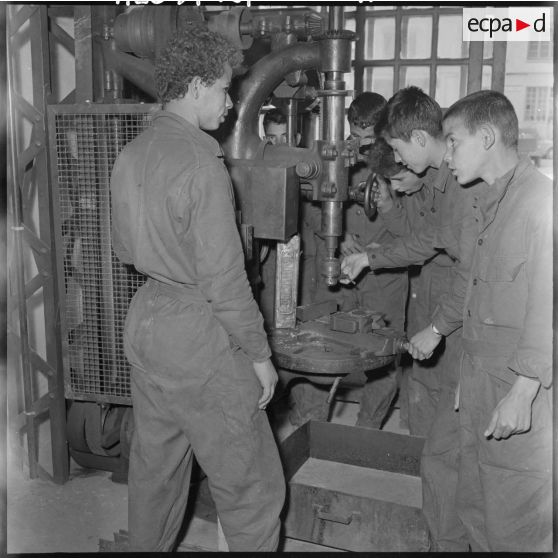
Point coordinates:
pixel 286 282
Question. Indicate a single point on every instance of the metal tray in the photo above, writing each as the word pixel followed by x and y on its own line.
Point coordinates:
pixel 354 488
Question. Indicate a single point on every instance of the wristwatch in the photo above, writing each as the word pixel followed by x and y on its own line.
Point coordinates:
pixel 435 330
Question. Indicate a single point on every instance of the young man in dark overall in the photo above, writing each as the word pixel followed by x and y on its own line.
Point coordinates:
pixel 504 495
pixel 201 372
pixel 412 126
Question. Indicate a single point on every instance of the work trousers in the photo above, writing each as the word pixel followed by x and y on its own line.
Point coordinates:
pixel 426 381
pixel 440 456
pixel 504 493
pixel 183 407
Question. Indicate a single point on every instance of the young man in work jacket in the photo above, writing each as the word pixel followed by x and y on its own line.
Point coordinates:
pixel 412 126
pixel 406 215
pixel 505 406
pixel 201 372
pixel 384 292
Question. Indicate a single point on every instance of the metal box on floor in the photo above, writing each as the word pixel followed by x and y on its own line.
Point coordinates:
pixel 354 488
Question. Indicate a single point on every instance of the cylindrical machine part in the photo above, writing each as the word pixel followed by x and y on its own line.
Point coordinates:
pixel 145 30
pixel 235 25
pixel 331 270
pixel 332 218
pixel 302 22
pixel 335 52
pixel 335 56
pixel 112 86
pixel 291 114
pixel 334 108
pixel 336 17
pixel 307 169
pixel 332 228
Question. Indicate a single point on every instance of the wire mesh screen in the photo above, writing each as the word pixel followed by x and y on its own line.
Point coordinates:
pixel 97 287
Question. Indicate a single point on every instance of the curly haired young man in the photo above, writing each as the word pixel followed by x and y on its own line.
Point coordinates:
pixel 201 370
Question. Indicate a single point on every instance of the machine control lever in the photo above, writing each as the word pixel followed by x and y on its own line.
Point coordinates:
pixel 369 205
pixel 363 194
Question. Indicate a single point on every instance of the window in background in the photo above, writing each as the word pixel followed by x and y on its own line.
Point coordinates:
pixel 415 75
pixel 539 50
pixel 488 50
pixel 486 77
pixel 538 104
pixel 449 33
pixel 379 80
pixel 421 45
pixel 379 38
pixel 416 37
pixel 450 84
pixel 380 8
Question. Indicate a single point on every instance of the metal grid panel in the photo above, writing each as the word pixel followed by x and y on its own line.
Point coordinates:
pixel 97 287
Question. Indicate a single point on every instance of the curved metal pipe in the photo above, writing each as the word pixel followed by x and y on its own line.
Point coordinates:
pixel 263 77
pixel 139 71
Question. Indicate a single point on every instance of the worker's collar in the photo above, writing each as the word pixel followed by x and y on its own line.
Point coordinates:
pixel 443 177
pixel 497 191
pixel 438 178
pixel 173 120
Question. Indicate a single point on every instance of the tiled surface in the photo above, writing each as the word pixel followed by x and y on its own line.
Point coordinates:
pixel 44 517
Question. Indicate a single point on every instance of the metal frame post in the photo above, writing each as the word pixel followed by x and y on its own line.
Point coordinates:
pixel 31 236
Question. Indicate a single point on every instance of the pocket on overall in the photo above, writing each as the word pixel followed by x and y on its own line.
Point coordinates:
pixel 183 340
pixel 502 292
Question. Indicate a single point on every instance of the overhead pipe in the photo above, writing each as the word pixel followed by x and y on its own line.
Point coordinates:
pixel 258 84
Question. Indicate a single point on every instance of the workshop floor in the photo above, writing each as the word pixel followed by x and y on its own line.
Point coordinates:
pixel 46 517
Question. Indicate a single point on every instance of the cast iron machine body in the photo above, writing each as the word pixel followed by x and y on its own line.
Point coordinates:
pixel 269 180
